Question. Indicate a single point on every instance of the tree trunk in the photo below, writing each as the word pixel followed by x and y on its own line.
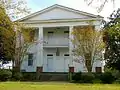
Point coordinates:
pixel 88 62
pixel 17 61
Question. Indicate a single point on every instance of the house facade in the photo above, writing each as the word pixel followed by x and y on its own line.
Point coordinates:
pixel 53 51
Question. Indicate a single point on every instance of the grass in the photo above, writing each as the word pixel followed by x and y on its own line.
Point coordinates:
pixel 55 86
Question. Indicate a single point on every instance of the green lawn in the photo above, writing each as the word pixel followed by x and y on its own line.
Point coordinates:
pixel 55 86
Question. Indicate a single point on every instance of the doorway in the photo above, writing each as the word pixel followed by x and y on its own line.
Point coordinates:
pixel 49 62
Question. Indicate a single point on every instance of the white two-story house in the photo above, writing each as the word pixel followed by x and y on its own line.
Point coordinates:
pixel 53 26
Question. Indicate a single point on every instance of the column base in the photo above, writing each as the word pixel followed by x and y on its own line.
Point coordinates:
pixel 71 69
pixel 39 69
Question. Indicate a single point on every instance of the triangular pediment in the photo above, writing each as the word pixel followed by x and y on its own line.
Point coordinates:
pixel 57 12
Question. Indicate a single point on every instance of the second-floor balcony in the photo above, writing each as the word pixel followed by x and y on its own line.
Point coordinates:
pixel 56 36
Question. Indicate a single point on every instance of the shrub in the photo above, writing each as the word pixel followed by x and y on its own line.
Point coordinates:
pixel 83 77
pixel 77 77
pixel 5 75
pixel 17 76
pixel 29 76
pixel 87 78
pixel 107 77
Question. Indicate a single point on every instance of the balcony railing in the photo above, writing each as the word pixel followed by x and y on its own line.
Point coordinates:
pixel 56 42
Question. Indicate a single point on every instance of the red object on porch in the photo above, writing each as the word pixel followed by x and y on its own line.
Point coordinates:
pixel 39 69
pixel 71 69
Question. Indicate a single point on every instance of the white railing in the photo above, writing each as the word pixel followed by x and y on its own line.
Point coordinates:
pixel 56 42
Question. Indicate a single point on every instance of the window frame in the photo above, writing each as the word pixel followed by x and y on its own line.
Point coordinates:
pixel 30 59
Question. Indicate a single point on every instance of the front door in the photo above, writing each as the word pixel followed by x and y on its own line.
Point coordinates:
pixel 50 63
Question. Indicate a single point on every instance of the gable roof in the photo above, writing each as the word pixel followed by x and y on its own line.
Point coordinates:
pixel 62 7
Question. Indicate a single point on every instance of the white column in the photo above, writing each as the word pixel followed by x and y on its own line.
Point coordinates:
pixel 70 46
pixel 40 48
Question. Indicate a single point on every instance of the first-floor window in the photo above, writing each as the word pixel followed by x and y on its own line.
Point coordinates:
pixel 30 59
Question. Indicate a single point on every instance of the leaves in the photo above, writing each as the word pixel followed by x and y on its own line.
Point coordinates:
pixel 88 44
pixel 25 40
pixel 15 8
pixel 7 36
pixel 112 40
pixel 100 4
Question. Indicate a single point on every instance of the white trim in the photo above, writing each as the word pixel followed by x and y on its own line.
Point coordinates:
pixel 61 24
pixel 54 46
pixel 61 20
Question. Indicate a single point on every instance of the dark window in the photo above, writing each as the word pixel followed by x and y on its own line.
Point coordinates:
pixel 49 54
pixel 66 31
pixel 66 34
pixel 50 32
pixel 66 54
pixel 98 69
pixel 30 59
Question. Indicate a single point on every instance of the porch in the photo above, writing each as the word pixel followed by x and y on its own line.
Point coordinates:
pixel 56 59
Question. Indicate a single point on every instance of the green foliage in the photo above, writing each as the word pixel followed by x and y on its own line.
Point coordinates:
pixel 77 76
pixel 5 75
pixel 83 77
pixel 88 45
pixel 17 76
pixel 107 77
pixel 112 41
pixel 29 76
pixel 7 36
pixel 25 40
pixel 87 77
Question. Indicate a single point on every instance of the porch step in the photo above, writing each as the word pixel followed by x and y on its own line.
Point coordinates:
pixel 53 77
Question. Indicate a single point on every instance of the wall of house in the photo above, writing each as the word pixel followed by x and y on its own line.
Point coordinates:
pixel 58 39
pixel 79 66
pixel 24 64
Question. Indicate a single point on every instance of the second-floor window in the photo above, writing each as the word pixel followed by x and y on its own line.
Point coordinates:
pixel 50 34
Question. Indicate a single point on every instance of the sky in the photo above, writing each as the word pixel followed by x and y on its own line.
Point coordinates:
pixel 37 5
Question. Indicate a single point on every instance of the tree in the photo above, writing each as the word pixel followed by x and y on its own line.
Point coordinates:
pixel 24 41
pixel 7 34
pixel 88 45
pixel 15 8
pixel 101 3
pixel 112 41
